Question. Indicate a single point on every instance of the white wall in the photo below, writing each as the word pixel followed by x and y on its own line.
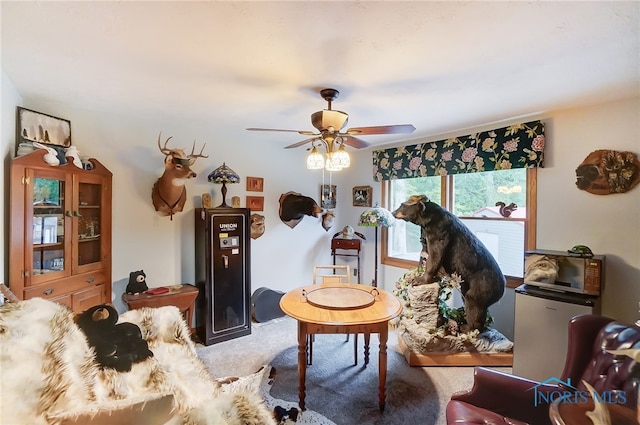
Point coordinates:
pixel 610 224
pixel 283 258
pixel 10 98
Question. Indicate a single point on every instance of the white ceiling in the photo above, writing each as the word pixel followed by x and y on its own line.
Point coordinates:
pixel 441 66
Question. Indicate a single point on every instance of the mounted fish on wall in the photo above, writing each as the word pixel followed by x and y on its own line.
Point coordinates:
pixel 607 171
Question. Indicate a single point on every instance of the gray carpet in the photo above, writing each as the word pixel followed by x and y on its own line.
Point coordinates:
pixel 344 393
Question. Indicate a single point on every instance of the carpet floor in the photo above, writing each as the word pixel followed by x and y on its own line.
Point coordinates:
pixel 345 393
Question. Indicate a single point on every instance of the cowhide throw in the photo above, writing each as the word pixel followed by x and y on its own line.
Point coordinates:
pixel 49 371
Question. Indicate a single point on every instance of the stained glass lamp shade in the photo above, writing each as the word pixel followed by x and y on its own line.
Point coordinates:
pixel 376 217
pixel 224 175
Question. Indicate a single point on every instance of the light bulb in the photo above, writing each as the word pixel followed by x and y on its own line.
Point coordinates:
pixel 315 160
pixel 331 164
pixel 341 158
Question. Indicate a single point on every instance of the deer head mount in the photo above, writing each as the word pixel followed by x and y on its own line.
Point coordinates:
pixel 168 193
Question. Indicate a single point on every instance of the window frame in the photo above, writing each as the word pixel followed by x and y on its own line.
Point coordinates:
pixel 446 182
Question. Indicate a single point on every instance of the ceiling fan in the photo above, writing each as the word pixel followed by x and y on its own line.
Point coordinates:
pixel 330 123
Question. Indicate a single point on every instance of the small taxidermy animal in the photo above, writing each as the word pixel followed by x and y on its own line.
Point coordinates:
pixel 116 345
pixel 284 416
pixel 257 226
pixel 541 268
pixel 51 157
pixel 72 152
pixel 137 282
pixel 328 218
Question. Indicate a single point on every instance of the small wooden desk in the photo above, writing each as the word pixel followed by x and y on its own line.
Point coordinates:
pixel 312 319
pixel 183 298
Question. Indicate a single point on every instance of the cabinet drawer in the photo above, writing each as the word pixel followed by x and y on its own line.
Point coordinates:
pixel 64 299
pixel 345 244
pixel 55 289
pixel 87 298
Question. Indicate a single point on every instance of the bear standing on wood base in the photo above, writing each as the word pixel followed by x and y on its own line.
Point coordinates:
pixel 453 247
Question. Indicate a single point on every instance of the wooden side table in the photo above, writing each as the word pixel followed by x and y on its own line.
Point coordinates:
pixel 346 245
pixel 184 298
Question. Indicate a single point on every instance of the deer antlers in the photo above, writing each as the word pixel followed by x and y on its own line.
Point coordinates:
pixel 179 152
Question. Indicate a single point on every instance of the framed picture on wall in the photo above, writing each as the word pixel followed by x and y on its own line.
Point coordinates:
pixel 362 196
pixel 255 184
pixel 32 126
pixel 328 196
pixel 255 203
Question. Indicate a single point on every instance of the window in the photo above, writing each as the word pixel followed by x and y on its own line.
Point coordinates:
pixel 473 198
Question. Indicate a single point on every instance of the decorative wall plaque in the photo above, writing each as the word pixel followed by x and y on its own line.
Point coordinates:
pixel 607 171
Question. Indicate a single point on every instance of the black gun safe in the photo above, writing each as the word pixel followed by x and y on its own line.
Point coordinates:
pixel 223 307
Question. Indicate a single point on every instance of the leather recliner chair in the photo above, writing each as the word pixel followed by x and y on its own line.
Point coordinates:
pixel 501 398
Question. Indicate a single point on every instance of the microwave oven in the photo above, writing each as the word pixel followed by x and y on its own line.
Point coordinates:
pixel 562 271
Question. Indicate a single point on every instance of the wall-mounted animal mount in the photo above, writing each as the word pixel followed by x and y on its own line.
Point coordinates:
pixel 257 226
pixel 328 217
pixel 294 206
pixel 168 193
pixel 607 171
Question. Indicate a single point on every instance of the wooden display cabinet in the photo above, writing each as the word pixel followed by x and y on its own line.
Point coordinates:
pixel 60 234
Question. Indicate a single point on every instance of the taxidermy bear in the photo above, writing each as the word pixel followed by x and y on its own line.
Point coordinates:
pixel 451 246
pixel 137 282
pixel 117 345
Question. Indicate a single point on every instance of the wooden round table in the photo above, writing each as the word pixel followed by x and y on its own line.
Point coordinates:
pixel 341 308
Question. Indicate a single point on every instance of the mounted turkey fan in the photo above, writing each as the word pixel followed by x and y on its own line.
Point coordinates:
pixel 330 123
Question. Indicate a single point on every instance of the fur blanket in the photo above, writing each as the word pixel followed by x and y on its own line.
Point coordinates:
pixel 49 373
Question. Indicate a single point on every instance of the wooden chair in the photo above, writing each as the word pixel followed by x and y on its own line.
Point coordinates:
pixel 331 274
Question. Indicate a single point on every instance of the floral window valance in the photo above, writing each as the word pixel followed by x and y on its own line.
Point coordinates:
pixel 516 146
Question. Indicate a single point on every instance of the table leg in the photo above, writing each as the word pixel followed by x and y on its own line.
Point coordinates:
pixel 355 349
pixel 302 362
pixel 367 338
pixel 382 365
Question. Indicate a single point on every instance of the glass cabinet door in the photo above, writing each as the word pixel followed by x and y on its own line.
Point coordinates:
pixel 48 227
pixel 89 214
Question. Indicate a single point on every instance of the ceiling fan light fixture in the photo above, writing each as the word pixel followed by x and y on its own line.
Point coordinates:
pixel 326 118
pixel 331 164
pixel 341 157
pixel 315 160
pixel 330 123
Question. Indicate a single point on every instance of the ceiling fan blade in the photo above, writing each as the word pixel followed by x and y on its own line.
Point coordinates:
pixel 382 129
pixel 303 132
pixel 354 142
pixel 303 142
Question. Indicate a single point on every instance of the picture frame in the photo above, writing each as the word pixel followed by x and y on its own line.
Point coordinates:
pixel 255 203
pixel 362 196
pixel 328 196
pixel 255 184
pixel 33 126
